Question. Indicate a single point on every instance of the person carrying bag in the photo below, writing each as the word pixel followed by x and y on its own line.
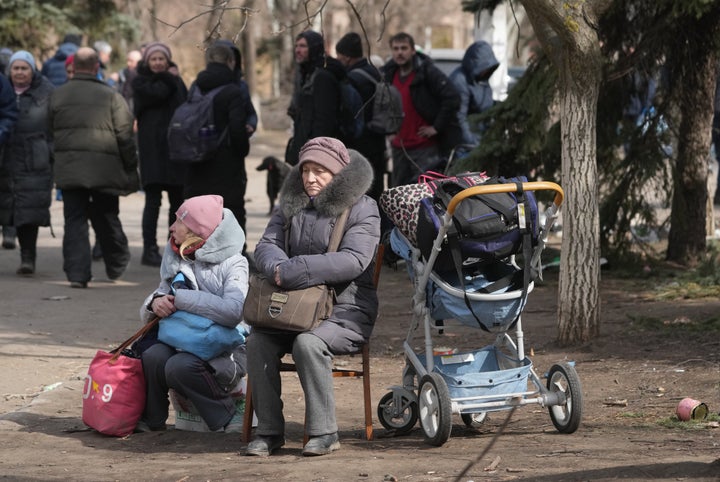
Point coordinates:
pixel 272 307
pixel 294 252
pixel 205 246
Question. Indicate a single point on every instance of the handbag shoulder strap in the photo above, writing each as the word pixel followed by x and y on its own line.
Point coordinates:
pixel 335 236
pixel 138 334
pixel 337 232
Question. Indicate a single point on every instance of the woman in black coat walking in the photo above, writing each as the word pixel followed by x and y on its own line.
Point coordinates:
pixel 157 91
pixel 26 167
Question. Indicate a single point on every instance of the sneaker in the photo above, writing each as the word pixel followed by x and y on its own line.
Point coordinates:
pixel 78 284
pixel 265 445
pixel 322 445
pixel 8 243
pixel 235 425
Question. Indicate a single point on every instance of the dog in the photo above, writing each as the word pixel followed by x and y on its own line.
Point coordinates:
pixel 277 170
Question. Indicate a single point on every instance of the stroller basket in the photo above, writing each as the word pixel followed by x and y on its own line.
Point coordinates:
pixel 482 373
pixel 496 311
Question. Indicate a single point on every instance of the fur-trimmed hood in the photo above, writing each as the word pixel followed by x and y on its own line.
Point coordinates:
pixel 346 187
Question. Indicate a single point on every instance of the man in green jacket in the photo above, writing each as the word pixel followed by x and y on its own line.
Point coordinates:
pixel 95 163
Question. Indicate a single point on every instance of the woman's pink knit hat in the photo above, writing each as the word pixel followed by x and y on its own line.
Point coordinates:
pixel 201 214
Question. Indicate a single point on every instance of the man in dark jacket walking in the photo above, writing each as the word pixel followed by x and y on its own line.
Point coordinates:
pixel 430 129
pixel 315 105
pixel 225 174
pixel 370 144
pixel 95 163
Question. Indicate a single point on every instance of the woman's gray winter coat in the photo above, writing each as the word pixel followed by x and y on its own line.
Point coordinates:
pixel 219 274
pixel 26 170
pixel 306 263
pixel 219 278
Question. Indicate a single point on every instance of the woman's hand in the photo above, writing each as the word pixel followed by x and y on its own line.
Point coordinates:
pixel 277 275
pixel 163 306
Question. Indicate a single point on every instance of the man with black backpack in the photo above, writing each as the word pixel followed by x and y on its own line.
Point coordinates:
pixel 315 105
pixel 364 77
pixel 223 173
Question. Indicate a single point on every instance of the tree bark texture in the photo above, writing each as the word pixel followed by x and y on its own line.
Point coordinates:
pixel 694 83
pixel 567 34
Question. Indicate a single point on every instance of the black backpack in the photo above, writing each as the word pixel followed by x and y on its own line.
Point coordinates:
pixel 351 116
pixel 487 227
pixel 192 136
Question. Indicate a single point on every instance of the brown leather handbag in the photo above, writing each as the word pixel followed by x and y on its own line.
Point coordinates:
pixel 268 306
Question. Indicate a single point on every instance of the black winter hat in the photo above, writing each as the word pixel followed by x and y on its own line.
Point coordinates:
pixel 350 45
pixel 73 38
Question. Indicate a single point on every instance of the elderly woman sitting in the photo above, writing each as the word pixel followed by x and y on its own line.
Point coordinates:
pixel 327 181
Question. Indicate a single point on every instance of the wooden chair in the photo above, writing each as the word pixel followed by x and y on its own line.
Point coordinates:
pixel 363 372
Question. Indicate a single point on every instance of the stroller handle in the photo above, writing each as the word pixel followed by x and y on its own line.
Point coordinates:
pixel 507 187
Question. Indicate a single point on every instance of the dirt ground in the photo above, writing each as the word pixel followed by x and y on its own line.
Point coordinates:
pixel 632 379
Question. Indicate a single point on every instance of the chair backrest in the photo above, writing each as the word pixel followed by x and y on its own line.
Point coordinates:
pixel 378 263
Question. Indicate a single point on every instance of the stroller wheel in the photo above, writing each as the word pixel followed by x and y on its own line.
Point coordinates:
pixel 435 409
pixel 397 413
pixel 566 417
pixel 474 420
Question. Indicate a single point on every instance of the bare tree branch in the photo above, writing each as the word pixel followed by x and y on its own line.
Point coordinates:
pixel 220 8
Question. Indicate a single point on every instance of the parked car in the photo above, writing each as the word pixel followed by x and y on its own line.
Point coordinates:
pixel 446 59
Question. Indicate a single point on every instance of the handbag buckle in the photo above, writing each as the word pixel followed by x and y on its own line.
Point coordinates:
pixel 279 297
pixel 275 310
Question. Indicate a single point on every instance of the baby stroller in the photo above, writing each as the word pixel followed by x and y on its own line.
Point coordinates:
pixel 479 291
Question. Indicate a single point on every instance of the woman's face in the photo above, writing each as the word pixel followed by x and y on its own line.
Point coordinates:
pixel 157 62
pixel 180 232
pixel 20 73
pixel 315 177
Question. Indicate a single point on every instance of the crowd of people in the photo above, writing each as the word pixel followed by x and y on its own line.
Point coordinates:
pixel 96 135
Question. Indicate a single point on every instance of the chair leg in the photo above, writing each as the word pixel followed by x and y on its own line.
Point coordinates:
pixel 366 391
pixel 248 415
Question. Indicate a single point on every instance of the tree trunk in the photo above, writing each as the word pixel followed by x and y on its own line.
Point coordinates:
pixel 579 294
pixel 567 33
pixel 686 240
pixel 695 84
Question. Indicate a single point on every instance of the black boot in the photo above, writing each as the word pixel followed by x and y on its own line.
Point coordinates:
pixel 27 262
pixel 151 256
pixel 9 233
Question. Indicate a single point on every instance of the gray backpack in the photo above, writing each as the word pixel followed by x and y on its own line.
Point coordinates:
pixel 387 111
